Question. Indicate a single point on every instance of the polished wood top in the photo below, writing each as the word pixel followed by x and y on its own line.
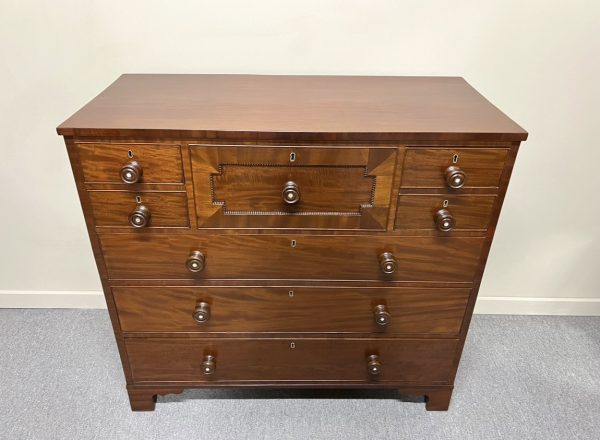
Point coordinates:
pixel 266 107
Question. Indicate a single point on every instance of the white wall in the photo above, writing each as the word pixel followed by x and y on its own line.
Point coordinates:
pixel 539 61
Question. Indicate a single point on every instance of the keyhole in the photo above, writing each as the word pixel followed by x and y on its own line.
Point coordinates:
pixel 130 154
pixel 292 157
pixel 293 243
pixel 138 199
pixel 291 293
pixel 445 204
pixel 455 158
pixel 292 345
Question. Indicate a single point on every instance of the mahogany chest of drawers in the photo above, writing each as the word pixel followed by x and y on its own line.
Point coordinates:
pixel 289 231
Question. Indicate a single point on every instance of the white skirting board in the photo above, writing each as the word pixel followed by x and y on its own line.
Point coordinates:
pixel 38 299
pixel 494 305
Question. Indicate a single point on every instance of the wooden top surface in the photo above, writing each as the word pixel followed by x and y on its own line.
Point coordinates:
pixel 353 108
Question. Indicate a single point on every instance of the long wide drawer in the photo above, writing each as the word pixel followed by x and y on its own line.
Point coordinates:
pixel 243 257
pixel 424 361
pixel 387 310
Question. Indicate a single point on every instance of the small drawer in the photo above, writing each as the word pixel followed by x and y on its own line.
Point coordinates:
pixel 453 168
pixel 279 257
pixel 292 187
pixel 383 310
pixel 131 163
pixel 195 360
pixel 140 209
pixel 444 213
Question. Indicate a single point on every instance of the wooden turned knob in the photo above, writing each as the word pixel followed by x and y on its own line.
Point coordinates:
pixel 455 177
pixel 132 172
pixel 291 193
pixel 444 220
pixel 381 315
pixel 387 263
pixel 209 365
pixel 195 262
pixel 373 365
pixel 202 312
pixel 140 217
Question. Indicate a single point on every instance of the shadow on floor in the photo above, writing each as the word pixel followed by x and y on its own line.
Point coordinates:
pixel 289 394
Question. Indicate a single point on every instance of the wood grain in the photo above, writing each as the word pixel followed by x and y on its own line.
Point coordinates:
pixel 273 257
pixel 112 208
pixel 471 212
pixel 425 167
pixel 291 309
pixel 293 107
pixel 415 361
pixel 220 145
pixel 341 188
pixel 102 162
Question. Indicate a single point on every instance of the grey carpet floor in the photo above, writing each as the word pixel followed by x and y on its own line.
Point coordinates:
pixel 520 378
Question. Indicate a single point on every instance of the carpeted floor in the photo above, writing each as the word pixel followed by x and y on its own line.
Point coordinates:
pixel 520 378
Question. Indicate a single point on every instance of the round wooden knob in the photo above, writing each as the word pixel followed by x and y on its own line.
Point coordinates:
pixel 373 365
pixel 444 220
pixel 291 193
pixel 381 315
pixel 195 262
pixel 140 217
pixel 455 177
pixel 388 263
pixel 209 365
pixel 202 312
pixel 132 172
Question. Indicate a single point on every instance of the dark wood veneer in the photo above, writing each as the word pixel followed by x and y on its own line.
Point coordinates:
pixel 102 162
pixel 291 292
pixel 245 257
pixel 340 188
pixel 112 208
pixel 404 361
pixel 425 167
pixel 291 309
pixel 471 212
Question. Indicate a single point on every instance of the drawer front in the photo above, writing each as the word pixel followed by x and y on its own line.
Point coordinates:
pixel 292 187
pixel 244 257
pixel 161 209
pixel 428 211
pixel 288 310
pixel 102 163
pixel 423 361
pixel 427 167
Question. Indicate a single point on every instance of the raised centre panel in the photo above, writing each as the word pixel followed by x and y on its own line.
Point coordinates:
pixel 292 187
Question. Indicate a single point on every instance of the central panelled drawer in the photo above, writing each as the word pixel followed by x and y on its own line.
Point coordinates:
pixel 199 360
pixel 386 310
pixel 296 187
pixel 245 257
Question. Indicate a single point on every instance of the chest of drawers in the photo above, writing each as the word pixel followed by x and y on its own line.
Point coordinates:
pixel 287 231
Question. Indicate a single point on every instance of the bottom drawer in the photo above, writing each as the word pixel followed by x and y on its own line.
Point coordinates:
pixel 415 361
